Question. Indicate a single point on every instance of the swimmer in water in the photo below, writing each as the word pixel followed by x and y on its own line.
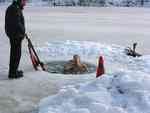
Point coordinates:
pixel 75 66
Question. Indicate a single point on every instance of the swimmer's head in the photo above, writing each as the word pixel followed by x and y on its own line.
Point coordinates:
pixel 76 58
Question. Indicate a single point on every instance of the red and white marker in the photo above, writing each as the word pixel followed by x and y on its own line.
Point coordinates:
pixel 100 69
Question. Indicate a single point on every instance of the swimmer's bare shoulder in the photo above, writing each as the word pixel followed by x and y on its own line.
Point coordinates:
pixel 84 66
pixel 68 65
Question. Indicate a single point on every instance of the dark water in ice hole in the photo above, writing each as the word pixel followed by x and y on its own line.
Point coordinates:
pixel 58 66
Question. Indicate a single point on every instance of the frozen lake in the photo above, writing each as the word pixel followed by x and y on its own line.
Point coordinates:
pixel 121 26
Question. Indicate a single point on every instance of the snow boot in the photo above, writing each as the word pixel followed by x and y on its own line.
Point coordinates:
pixel 20 71
pixel 18 74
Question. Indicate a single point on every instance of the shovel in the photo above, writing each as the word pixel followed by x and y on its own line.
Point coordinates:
pixel 33 55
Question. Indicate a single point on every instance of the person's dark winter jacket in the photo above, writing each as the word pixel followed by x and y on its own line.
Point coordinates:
pixel 14 21
pixel 15 30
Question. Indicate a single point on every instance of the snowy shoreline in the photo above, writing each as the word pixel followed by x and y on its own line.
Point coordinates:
pixel 97 3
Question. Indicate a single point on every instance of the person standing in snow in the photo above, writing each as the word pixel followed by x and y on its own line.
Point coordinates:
pixel 15 30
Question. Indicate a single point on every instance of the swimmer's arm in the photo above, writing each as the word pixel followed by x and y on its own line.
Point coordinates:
pixel 85 67
pixel 68 66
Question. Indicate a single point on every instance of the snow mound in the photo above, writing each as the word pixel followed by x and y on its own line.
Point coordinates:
pixel 122 92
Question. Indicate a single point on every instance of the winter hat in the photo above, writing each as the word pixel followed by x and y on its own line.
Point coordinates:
pixel 17 1
pixel 21 3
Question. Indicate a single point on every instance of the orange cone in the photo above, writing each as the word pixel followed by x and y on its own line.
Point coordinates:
pixel 100 69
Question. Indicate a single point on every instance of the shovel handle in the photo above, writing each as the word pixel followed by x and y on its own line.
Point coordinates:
pixel 31 47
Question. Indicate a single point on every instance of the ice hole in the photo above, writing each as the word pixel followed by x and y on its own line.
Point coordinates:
pixel 58 67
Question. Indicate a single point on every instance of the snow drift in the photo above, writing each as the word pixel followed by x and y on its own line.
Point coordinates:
pixel 115 93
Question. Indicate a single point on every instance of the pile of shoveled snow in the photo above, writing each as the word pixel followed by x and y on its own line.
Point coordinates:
pixel 122 92
pixel 114 55
pixel 125 90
